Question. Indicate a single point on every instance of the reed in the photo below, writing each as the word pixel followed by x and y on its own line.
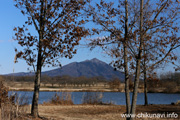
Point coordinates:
pixel 11 107
pixel 63 98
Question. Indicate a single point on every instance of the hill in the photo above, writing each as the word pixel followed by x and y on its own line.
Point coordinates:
pixel 88 68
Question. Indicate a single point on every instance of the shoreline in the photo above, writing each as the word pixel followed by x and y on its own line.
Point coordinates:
pixel 78 90
pixel 63 90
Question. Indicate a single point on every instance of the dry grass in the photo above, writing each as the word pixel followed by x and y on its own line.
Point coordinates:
pixel 101 112
pixel 64 98
pixel 12 107
pixel 94 98
pixel 11 111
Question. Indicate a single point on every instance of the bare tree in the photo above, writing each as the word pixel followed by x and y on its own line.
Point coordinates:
pixel 159 26
pixel 113 20
pixel 152 34
pixel 125 44
pixel 138 61
pixel 58 30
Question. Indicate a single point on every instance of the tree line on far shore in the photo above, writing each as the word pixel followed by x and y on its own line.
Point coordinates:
pixel 165 80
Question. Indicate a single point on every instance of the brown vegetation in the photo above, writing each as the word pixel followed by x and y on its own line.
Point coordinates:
pixel 11 107
pixel 60 80
pixel 101 112
pixel 95 98
pixel 167 83
pixel 63 98
pixel 3 92
pixel 115 84
pixel 92 98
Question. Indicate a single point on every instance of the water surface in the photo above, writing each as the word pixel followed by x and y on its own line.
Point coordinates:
pixel 117 98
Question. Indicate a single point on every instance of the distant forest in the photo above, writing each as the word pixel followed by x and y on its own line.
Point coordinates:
pixel 57 79
pixel 168 80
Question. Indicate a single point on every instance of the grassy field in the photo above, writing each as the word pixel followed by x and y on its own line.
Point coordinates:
pixel 106 112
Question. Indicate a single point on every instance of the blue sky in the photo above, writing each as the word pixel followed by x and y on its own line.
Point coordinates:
pixel 11 17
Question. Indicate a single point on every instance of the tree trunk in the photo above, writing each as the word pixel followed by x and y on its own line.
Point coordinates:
pixel 135 90
pixel 34 109
pixel 138 62
pixel 145 87
pixel 126 62
pixel 145 78
pixel 127 83
pixel 0 114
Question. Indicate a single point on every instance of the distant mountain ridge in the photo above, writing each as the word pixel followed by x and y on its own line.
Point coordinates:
pixel 88 68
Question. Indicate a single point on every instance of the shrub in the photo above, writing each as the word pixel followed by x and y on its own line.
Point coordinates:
pixel 170 87
pixel 131 85
pixel 10 109
pixel 64 98
pixel 3 93
pixel 93 98
pixel 115 83
pixel 178 102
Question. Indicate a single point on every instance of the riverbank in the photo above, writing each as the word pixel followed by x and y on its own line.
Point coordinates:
pixel 85 90
pixel 100 87
pixel 107 112
pixel 64 90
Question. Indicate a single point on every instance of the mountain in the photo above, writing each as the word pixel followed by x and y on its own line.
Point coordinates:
pixel 88 68
pixel 21 74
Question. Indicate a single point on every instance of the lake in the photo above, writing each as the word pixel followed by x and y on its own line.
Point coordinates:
pixel 117 98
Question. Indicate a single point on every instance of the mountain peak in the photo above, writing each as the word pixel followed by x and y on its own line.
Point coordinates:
pixel 88 68
pixel 95 60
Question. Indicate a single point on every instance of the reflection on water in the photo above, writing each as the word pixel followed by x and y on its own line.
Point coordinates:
pixel 115 97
